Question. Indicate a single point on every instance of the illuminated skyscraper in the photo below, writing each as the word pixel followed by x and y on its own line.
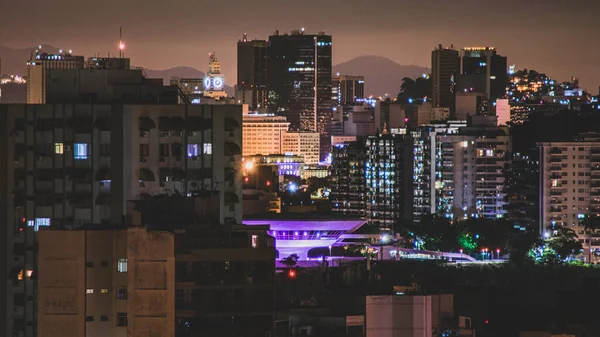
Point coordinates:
pixel 299 82
pixel 484 71
pixel 348 89
pixel 252 72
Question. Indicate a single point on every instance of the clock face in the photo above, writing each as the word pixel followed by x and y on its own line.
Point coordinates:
pixel 207 83
pixel 218 82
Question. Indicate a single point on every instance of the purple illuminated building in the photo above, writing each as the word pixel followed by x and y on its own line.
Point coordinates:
pixel 300 236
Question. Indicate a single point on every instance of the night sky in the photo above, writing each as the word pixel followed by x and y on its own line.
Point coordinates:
pixel 557 37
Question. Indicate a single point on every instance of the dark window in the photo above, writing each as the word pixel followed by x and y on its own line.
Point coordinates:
pixel 176 150
pixel 144 150
pixel 164 150
pixel 20 149
pixel 45 124
pixel 103 263
pixel 20 124
pixel 104 318
pixel 89 264
pixel 89 318
pixel 121 319
pixel 122 293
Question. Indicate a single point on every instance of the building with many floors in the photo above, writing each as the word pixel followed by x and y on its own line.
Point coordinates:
pixel 263 134
pixel 75 164
pixel 570 187
pixel 299 82
pixel 302 143
pixel 347 89
pixel 251 87
pixel 445 65
pixel 348 187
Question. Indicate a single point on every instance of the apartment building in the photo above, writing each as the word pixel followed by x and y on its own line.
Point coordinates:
pixel 263 134
pixel 570 187
pixel 302 143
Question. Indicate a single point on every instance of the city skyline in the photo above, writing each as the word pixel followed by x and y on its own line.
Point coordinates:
pixel 174 37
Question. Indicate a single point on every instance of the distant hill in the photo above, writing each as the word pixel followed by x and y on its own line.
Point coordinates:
pixel 14 61
pixel 382 75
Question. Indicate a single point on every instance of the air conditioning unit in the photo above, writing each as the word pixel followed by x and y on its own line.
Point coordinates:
pixel 177 133
pixel 232 209
pixel 164 133
pixel 142 160
pixel 143 134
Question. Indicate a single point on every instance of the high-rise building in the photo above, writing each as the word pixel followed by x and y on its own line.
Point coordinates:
pixel 106 281
pixel 72 165
pixel 445 65
pixel 302 143
pixel 348 187
pixel 299 82
pixel 252 73
pixel 38 66
pixel 570 187
pixel 484 71
pixel 471 183
pixel 263 134
pixel 349 89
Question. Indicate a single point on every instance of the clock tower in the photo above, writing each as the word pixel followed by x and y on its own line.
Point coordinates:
pixel 214 83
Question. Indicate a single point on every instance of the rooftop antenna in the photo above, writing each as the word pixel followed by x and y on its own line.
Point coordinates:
pixel 245 37
pixel 121 44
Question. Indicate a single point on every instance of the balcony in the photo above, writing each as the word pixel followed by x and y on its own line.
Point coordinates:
pixel 555 168
pixel 595 151
pixel 555 151
pixel 556 193
pixel 595 183
pixel 595 159
pixel 555 159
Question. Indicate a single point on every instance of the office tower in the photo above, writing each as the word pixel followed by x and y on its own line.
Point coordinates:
pixel 299 82
pixel 263 134
pixel 349 89
pixel 570 187
pixel 103 281
pixel 302 143
pixel 252 73
pixel 37 68
pixel 348 187
pixel 472 179
pixel 427 166
pixel 74 164
pixel 388 166
pixel 445 65
pixel 483 71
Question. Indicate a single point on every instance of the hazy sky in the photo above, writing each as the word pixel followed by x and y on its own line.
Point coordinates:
pixel 558 37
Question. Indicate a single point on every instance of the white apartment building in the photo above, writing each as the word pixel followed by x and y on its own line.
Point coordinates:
pixel 471 182
pixel 263 134
pixel 570 187
pixel 302 143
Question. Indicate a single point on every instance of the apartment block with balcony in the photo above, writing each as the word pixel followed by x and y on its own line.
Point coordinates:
pixel 71 165
pixel 570 187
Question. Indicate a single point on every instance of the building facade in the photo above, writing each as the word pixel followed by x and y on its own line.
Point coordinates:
pixel 252 73
pixel 570 187
pixel 299 82
pixel 263 134
pixel 485 71
pixel 78 164
pixel 38 66
pixel 348 89
pixel 445 64
pixel 303 143
pixel 111 282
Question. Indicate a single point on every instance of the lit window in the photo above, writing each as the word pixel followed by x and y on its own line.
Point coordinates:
pixel 104 291
pixel 254 241
pixel 80 151
pixel 89 291
pixel 41 222
pixel 122 265
pixel 207 148
pixel 464 144
pixel 193 150
pixel 59 148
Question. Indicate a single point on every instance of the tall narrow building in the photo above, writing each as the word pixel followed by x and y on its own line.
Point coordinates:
pixel 445 64
pixel 252 73
pixel 348 90
pixel 299 82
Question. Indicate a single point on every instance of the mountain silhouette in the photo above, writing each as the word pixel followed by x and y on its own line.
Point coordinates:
pixel 382 75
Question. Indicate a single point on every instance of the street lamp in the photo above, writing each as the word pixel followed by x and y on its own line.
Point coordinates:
pixel 498 253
